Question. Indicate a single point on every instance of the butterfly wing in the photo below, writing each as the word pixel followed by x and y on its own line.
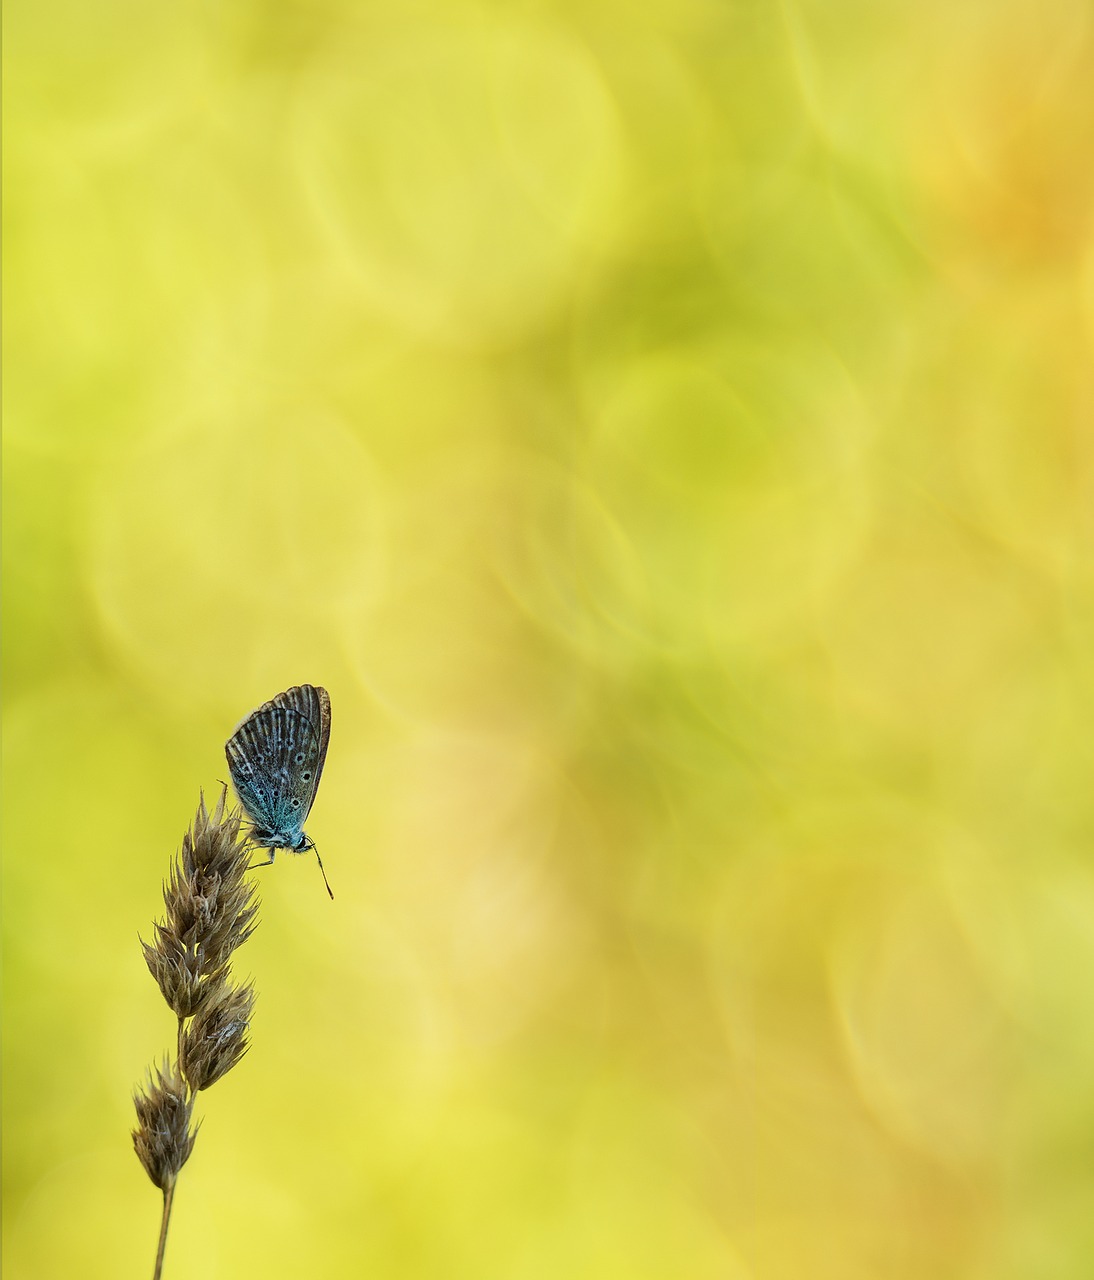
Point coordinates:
pixel 246 752
pixel 312 702
pixel 275 758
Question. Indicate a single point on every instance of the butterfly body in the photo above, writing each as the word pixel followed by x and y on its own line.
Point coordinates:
pixel 276 758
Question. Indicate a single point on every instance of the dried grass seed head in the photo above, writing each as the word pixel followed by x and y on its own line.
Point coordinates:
pixel 211 909
pixel 177 971
pixel 215 1040
pixel 163 1138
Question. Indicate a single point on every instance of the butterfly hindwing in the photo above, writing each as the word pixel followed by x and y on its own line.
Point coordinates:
pixel 313 703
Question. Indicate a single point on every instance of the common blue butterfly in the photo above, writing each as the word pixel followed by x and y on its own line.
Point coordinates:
pixel 276 759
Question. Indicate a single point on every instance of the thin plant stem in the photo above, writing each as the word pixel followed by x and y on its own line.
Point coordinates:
pixel 168 1201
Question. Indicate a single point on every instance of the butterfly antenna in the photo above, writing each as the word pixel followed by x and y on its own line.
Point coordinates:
pixel 324 874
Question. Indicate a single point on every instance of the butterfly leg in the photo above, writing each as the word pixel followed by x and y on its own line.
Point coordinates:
pixel 267 863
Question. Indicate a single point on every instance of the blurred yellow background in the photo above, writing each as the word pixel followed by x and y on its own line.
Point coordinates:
pixel 666 430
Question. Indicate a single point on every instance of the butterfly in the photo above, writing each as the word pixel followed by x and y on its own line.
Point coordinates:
pixel 276 757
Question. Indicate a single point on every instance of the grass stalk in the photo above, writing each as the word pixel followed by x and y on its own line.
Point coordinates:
pixel 168 1201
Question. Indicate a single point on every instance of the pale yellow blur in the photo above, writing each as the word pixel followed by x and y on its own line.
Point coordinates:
pixel 667 433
